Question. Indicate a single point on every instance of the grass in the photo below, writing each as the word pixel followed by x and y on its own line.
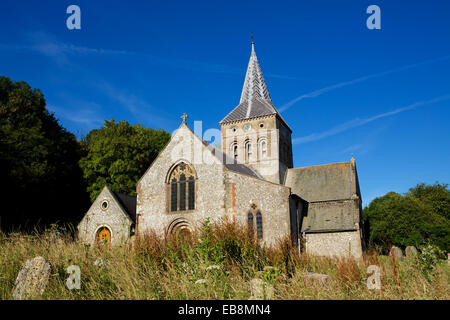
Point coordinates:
pixel 224 256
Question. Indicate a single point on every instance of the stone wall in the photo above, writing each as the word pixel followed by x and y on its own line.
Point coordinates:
pixel 113 217
pixel 152 190
pixel 342 244
pixel 270 129
pixel 220 193
pixel 270 199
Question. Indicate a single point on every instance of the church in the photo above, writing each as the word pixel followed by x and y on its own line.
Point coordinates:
pixel 249 179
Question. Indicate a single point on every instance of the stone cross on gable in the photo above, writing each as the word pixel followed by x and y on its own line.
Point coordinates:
pixel 184 117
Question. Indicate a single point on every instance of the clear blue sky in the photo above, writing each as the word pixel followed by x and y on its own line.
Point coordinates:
pixel 383 95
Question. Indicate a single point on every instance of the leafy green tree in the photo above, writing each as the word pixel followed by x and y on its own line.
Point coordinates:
pixel 40 176
pixel 436 197
pixel 118 154
pixel 415 218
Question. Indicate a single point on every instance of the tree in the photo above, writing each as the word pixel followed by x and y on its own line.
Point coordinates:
pixel 40 176
pixel 118 154
pixel 418 216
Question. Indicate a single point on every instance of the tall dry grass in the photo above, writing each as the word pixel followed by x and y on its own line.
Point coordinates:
pixel 223 257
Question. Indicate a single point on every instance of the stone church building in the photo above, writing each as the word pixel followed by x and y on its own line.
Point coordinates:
pixel 250 179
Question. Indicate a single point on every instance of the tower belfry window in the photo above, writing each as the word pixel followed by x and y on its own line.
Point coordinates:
pixel 248 151
pixel 235 152
pixel 263 149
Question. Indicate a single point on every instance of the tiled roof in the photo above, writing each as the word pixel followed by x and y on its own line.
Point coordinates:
pixel 255 98
pixel 230 163
pixel 258 108
pixel 128 203
pixel 330 216
pixel 329 190
pixel 323 182
pixel 254 84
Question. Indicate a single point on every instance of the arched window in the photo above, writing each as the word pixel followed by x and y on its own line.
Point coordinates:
pixel 182 188
pixel 248 151
pixel 259 225
pixel 263 149
pixel 234 150
pixel 250 223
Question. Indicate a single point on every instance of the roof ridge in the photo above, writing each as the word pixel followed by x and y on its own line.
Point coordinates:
pixel 321 165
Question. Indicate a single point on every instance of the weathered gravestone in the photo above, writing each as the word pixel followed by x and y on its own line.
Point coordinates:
pixel 317 277
pixel 411 252
pixel 32 279
pixel 396 252
pixel 261 290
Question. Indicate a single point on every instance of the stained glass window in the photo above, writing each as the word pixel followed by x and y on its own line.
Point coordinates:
pixel 259 225
pixel 182 188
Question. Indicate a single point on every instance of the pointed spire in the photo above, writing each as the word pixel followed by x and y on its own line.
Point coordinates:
pixel 254 84
pixel 255 98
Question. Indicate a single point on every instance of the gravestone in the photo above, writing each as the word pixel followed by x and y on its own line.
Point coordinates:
pixel 317 277
pixel 32 279
pixel 396 252
pixel 261 290
pixel 411 252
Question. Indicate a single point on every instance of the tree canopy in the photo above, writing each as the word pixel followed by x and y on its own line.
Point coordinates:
pixel 418 216
pixel 39 171
pixel 118 154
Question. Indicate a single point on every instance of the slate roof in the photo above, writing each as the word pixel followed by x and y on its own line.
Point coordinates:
pixel 329 190
pixel 128 203
pixel 255 98
pixel 231 163
pixel 250 109
pixel 329 216
pixel 323 182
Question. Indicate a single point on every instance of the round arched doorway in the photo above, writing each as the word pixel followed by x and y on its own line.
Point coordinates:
pixel 183 233
pixel 103 237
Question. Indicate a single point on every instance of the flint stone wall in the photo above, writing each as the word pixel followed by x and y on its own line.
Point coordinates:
pixel 152 190
pixel 342 244
pixel 114 218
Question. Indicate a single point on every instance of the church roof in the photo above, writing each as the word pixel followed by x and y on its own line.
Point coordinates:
pixel 323 182
pixel 250 109
pixel 255 98
pixel 230 163
pixel 328 189
pixel 128 204
pixel 330 216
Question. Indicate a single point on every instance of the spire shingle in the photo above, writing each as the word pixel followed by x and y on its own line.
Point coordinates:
pixel 255 98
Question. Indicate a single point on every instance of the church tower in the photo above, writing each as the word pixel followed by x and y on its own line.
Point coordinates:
pixel 254 133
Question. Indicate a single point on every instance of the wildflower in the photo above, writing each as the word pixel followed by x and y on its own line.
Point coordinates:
pixel 199 281
pixel 213 266
pixel 100 263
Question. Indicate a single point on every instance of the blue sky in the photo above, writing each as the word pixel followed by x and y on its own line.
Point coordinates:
pixel 383 95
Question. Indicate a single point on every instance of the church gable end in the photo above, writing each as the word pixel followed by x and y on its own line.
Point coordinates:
pixel 183 186
pixel 108 214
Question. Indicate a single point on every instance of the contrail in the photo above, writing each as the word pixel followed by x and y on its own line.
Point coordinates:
pixel 359 122
pixel 319 92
